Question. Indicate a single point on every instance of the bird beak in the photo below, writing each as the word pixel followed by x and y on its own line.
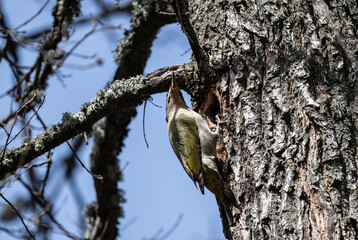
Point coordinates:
pixel 174 83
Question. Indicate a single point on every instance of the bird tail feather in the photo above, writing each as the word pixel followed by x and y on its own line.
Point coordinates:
pixel 229 195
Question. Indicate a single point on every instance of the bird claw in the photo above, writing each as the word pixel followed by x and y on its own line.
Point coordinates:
pixel 217 128
pixel 219 123
pixel 217 118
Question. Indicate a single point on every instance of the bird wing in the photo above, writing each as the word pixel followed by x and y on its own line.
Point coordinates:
pixel 183 131
pixel 216 185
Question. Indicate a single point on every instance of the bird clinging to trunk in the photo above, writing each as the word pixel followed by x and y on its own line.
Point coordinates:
pixel 194 143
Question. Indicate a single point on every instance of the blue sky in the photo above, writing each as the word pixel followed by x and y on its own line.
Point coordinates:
pixel 157 189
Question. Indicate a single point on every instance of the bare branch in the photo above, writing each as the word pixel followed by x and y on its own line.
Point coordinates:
pixel 19 215
pixel 28 121
pixel 42 202
pixel 166 234
pixel 107 12
pixel 126 225
pixel 49 164
pixel 35 15
pixel 99 177
pixel 93 30
pixel 12 232
pixel 27 167
pixel 18 83
pixel 121 94
pixel 145 105
pixel 63 13
pixel 7 142
pixel 172 229
pixel 16 177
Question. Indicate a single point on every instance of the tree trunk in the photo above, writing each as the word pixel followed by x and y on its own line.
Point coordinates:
pixel 284 79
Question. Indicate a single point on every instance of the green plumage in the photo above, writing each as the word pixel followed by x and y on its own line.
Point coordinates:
pixel 182 131
pixel 216 185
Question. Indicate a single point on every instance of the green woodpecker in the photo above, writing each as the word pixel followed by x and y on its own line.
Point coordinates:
pixel 194 143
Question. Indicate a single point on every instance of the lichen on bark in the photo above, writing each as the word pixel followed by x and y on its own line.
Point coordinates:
pixel 287 98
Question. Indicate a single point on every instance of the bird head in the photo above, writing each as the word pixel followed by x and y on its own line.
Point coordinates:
pixel 174 97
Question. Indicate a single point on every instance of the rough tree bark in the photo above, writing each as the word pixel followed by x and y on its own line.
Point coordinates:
pixel 284 79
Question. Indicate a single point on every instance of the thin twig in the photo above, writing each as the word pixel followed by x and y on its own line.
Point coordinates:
pixel 99 177
pixel 62 228
pixel 93 30
pixel 12 232
pixel 43 203
pixel 17 134
pixel 96 62
pixel 25 76
pixel 172 229
pixel 93 56
pixel 27 167
pixel 126 225
pixel 145 138
pixel 48 159
pixel 7 142
pixel 40 119
pixel 19 215
pixel 35 15
pixel 150 99
pixel 39 165
pixel 185 52
pixel 46 176
pixel 124 167
pixel 108 12
pixel 17 176
pixel 3 127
